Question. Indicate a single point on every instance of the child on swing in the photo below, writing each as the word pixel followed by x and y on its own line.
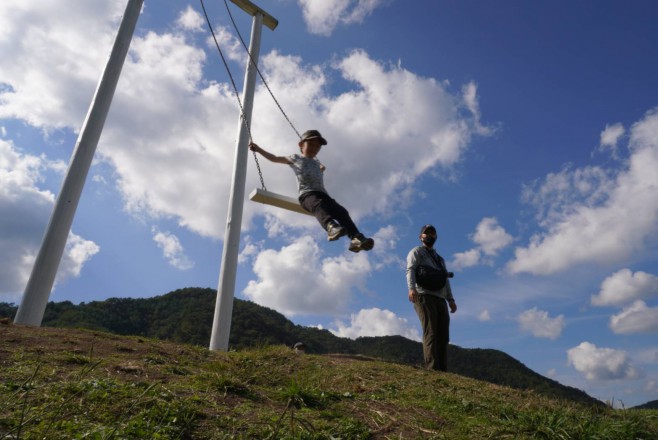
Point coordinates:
pixel 313 197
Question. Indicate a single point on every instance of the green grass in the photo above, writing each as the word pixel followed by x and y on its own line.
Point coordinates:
pixel 63 384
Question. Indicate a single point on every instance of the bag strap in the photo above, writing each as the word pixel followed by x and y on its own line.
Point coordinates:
pixel 436 260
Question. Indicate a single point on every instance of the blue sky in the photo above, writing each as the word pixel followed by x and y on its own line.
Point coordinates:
pixel 527 132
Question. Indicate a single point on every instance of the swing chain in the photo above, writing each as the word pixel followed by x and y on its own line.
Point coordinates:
pixel 260 173
pixel 235 90
pixel 259 72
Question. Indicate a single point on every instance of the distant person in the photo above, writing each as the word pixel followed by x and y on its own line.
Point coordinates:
pixel 430 292
pixel 313 197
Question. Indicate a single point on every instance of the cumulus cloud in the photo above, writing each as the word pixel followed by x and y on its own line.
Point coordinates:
pixel 625 286
pixel 610 137
pixel 539 324
pixel 171 151
pixel 160 133
pixel 249 250
pixel 490 239
pixel 386 239
pixel 296 280
pixel 602 363
pixel 24 212
pixel 322 17
pixel 168 147
pixel 77 252
pixel 636 318
pixel 586 212
pixel 465 259
pixel 191 20
pixel 172 249
pixel 375 322
pixel 490 236
pixel 55 62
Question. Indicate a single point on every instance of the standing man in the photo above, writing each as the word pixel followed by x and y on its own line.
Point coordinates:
pixel 431 302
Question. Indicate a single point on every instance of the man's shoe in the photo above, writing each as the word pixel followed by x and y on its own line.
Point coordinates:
pixel 361 243
pixel 335 231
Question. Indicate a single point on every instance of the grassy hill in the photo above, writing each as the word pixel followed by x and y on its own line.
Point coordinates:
pixel 60 383
pixel 186 316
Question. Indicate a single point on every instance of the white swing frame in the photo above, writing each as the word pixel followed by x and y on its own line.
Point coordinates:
pixel 273 199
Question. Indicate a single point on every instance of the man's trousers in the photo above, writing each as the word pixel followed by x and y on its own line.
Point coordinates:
pixel 435 321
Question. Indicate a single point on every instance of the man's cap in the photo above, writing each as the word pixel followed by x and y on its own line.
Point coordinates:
pixel 427 228
pixel 313 134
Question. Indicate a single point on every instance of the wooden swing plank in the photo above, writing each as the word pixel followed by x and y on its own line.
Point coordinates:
pixel 273 199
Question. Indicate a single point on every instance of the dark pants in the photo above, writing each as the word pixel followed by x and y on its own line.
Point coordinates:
pixel 326 209
pixel 435 321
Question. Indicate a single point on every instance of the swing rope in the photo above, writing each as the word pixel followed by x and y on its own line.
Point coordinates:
pixel 235 89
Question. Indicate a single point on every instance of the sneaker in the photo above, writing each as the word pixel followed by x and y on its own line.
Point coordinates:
pixel 335 231
pixel 361 243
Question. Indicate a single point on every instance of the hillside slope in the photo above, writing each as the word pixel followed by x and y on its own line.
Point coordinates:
pixel 67 383
pixel 186 316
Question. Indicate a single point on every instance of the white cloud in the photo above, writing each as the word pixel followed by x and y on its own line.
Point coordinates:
pixel 172 250
pixel 610 137
pixel 250 250
pixel 602 363
pixel 625 286
pixel 24 212
pixel 322 17
pixel 57 55
pixel 375 322
pixel 76 253
pixel 230 45
pixel 297 281
pixel 466 259
pixel 490 237
pixel 386 239
pixel 555 196
pixel 592 218
pixel 636 318
pixel 169 148
pixel 471 101
pixel 484 316
pixel 165 141
pixel 191 20
pixel 539 324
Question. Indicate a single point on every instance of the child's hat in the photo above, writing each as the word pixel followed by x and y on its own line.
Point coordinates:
pixel 313 134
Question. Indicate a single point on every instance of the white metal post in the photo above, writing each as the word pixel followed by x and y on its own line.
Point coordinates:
pixel 40 283
pixel 221 326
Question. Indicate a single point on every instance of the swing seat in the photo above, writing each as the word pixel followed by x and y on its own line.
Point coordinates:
pixel 273 199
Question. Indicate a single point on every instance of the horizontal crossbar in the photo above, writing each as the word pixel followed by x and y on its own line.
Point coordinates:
pixel 252 9
pixel 273 199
